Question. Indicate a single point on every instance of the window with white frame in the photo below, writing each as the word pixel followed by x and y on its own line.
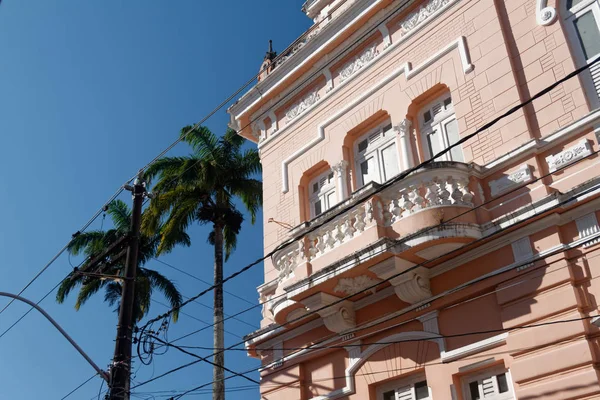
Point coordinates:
pixel 492 384
pixel 587 226
pixel 376 155
pixel 413 388
pixel 582 21
pixel 439 129
pixel 322 194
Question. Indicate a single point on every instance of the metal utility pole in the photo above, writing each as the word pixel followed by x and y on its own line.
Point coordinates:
pixel 121 366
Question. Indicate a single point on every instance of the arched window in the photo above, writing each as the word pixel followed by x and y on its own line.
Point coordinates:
pixel 582 21
pixel 322 194
pixel 376 155
pixel 439 129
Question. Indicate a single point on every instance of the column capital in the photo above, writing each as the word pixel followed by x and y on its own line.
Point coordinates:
pixel 403 127
pixel 340 167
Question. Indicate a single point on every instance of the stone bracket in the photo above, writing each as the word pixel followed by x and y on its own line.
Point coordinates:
pixel 412 286
pixel 339 317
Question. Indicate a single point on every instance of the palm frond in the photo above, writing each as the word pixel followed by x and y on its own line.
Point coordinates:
pixel 120 215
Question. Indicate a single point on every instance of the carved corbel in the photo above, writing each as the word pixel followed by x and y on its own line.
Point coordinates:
pixel 338 317
pixel 410 285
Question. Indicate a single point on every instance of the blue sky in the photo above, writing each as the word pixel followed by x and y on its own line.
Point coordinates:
pixel 89 92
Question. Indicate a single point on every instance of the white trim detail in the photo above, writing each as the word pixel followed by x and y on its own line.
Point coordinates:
pixel 580 150
pixel 544 14
pixel 357 362
pixel 406 69
pixel 506 182
pixel 473 348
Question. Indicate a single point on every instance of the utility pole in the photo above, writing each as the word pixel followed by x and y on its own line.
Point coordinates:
pixel 121 366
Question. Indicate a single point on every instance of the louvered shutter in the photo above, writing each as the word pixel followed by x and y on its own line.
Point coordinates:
pixel 595 71
pixel 488 387
pixel 405 393
pixel 588 226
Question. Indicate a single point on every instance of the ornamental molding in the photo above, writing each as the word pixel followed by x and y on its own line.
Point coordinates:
pixel 409 72
pixel 341 167
pixel 358 62
pixel 416 18
pixel 580 150
pixel 301 106
pixel 410 284
pixel 506 182
pixel 544 14
pixel 338 316
pixel 351 286
pixel 403 128
pixel 296 47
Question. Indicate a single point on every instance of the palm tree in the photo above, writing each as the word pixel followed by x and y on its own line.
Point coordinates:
pixel 203 188
pixel 93 243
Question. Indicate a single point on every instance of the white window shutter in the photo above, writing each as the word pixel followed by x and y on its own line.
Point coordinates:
pixel 522 249
pixel 406 393
pixel 595 71
pixel 488 387
pixel 587 226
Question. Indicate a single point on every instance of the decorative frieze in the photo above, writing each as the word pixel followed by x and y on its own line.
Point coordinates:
pixel 358 62
pixel 297 46
pixel 424 12
pixel 301 106
pixel 567 156
pixel 506 182
pixel 350 286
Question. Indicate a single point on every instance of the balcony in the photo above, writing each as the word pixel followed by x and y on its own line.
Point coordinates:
pixel 440 192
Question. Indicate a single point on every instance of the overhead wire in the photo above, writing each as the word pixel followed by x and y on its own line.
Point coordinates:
pixel 423 232
pixel 346 208
pixel 409 309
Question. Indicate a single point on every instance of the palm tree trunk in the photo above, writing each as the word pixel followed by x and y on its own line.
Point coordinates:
pixel 218 340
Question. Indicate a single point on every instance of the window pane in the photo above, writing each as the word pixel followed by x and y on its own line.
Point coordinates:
pixel 447 103
pixel 434 141
pixel 474 389
pixel 318 208
pixel 573 3
pixel 315 187
pixel 421 390
pixel 589 36
pixel 331 200
pixel 367 170
pixel 427 116
pixel 391 395
pixel 451 129
pixel 390 162
pixel 502 383
pixel 362 146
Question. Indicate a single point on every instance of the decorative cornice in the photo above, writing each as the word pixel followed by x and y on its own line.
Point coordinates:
pixel 358 62
pixel 423 13
pixel 350 286
pixel 544 14
pixel 301 106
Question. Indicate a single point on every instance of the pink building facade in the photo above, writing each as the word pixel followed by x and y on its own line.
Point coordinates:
pixel 394 276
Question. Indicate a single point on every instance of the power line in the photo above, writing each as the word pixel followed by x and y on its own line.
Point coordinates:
pixel 369 288
pixel 201 280
pixel 526 262
pixel 385 185
pixel 80 386
pixel 383 250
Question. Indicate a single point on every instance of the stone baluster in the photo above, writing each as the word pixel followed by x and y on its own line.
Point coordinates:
pixel 431 193
pixel 455 193
pixel 348 228
pixel 416 198
pixel 312 247
pixel 338 230
pixel 360 217
pixel 405 202
pixel 467 196
pixel 443 193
